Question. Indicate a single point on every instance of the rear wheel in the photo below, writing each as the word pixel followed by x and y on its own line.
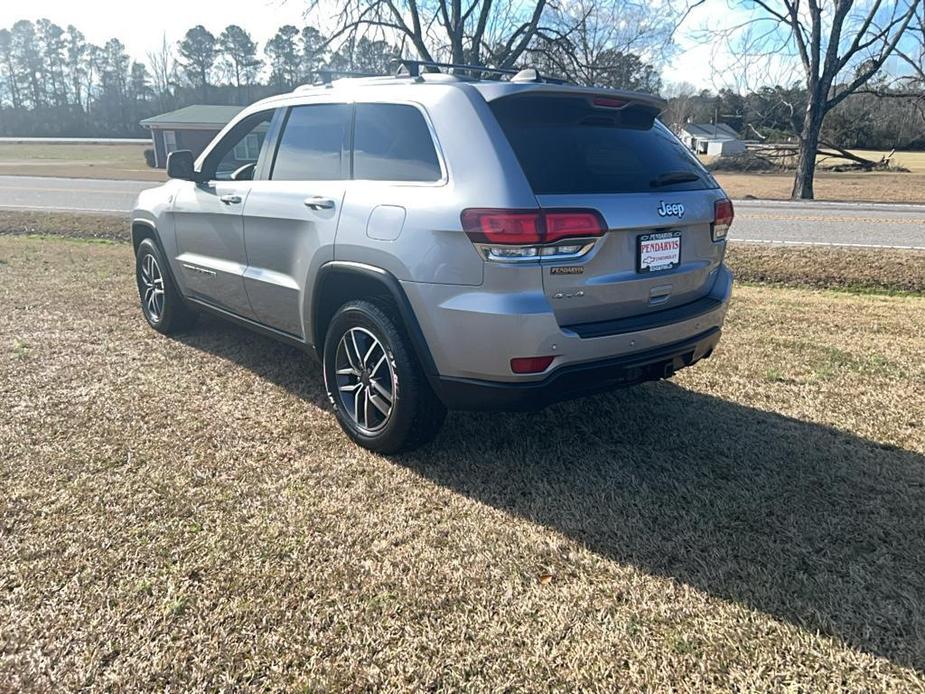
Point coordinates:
pixel 379 393
pixel 161 303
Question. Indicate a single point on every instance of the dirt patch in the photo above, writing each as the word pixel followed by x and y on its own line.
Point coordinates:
pixel 185 513
pixel 82 226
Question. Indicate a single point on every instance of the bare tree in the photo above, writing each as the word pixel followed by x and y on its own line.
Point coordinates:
pixel 914 56
pixel 163 62
pixel 481 32
pixel 840 45
pixel 607 43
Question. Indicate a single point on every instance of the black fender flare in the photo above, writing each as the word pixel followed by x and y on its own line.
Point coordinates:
pixel 393 288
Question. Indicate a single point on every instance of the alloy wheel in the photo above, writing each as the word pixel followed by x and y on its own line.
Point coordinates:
pixel 152 285
pixel 365 379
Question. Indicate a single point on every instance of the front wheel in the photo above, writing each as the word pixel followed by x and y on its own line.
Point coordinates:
pixel 161 303
pixel 379 393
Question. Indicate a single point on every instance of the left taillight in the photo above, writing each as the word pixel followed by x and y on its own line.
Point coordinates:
pixel 524 234
pixel 723 214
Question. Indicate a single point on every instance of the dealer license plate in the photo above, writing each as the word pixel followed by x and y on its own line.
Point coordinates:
pixel 661 251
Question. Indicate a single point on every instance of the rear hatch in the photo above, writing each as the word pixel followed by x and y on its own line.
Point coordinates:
pixel 611 155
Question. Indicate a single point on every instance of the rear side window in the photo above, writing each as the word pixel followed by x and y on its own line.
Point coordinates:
pixel 392 143
pixel 313 145
pixel 566 145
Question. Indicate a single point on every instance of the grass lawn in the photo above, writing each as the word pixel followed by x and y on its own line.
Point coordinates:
pixel 185 513
pixel 875 186
pixel 116 161
pixel 851 186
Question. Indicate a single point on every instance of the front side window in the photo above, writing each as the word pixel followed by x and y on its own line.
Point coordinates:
pixel 235 157
pixel 313 144
pixel 392 143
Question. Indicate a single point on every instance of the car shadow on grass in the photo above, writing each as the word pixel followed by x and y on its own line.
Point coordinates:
pixel 808 524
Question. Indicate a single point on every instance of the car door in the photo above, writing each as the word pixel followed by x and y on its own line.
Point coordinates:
pixel 290 219
pixel 208 217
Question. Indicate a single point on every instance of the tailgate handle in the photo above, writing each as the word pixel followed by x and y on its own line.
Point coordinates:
pixel 660 294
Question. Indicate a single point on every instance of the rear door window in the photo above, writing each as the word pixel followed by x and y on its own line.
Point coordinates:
pixel 313 144
pixel 567 146
pixel 393 143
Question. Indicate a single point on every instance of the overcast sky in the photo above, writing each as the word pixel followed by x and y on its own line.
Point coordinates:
pixel 141 26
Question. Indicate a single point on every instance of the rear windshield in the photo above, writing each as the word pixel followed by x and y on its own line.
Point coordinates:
pixel 565 146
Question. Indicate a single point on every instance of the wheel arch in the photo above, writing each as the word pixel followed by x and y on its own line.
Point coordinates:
pixel 340 281
pixel 145 229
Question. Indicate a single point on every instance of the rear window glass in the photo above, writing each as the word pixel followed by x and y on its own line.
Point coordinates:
pixel 567 146
pixel 392 143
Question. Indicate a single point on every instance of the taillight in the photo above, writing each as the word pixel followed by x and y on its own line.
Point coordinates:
pixel 565 225
pixel 503 226
pixel 723 214
pixel 526 234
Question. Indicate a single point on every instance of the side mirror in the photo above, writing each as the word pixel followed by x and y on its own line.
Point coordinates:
pixel 180 165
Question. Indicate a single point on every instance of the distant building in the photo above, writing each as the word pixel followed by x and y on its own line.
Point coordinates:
pixel 714 139
pixel 190 128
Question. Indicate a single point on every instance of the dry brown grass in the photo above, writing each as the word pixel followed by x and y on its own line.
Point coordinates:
pixel 115 161
pixel 186 514
pixel 853 269
pixel 854 187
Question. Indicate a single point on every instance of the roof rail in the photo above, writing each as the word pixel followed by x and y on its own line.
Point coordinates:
pixel 327 76
pixel 413 68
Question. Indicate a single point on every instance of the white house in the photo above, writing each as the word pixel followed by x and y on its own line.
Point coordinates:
pixel 713 139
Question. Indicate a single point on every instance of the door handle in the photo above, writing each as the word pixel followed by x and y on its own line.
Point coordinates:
pixel 230 199
pixel 316 202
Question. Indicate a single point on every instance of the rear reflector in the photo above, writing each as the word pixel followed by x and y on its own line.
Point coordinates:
pixel 529 227
pixel 723 214
pixel 530 365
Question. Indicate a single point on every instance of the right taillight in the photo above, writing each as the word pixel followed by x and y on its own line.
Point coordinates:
pixel 723 214
pixel 509 235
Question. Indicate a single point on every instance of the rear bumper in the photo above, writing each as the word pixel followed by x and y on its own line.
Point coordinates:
pixel 577 380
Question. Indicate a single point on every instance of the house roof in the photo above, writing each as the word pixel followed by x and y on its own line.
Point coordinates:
pixel 709 131
pixel 194 117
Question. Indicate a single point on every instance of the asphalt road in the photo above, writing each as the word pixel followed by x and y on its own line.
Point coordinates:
pixel 69 194
pixel 757 221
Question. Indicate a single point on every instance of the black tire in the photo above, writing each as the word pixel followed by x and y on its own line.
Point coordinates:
pixel 171 314
pixel 415 413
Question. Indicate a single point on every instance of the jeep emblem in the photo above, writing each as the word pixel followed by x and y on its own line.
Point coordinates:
pixel 671 209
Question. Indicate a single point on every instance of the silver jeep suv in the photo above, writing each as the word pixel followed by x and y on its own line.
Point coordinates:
pixel 446 242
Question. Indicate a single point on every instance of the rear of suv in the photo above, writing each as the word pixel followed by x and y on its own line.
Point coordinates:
pixel 443 242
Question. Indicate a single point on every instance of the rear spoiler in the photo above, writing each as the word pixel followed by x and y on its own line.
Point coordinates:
pixel 618 97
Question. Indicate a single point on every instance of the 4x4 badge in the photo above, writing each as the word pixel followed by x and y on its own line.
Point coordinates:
pixel 671 209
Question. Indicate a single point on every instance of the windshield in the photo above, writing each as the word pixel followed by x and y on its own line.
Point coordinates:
pixel 566 145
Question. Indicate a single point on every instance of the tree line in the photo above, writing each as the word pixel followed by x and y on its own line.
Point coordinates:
pixel 53 82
